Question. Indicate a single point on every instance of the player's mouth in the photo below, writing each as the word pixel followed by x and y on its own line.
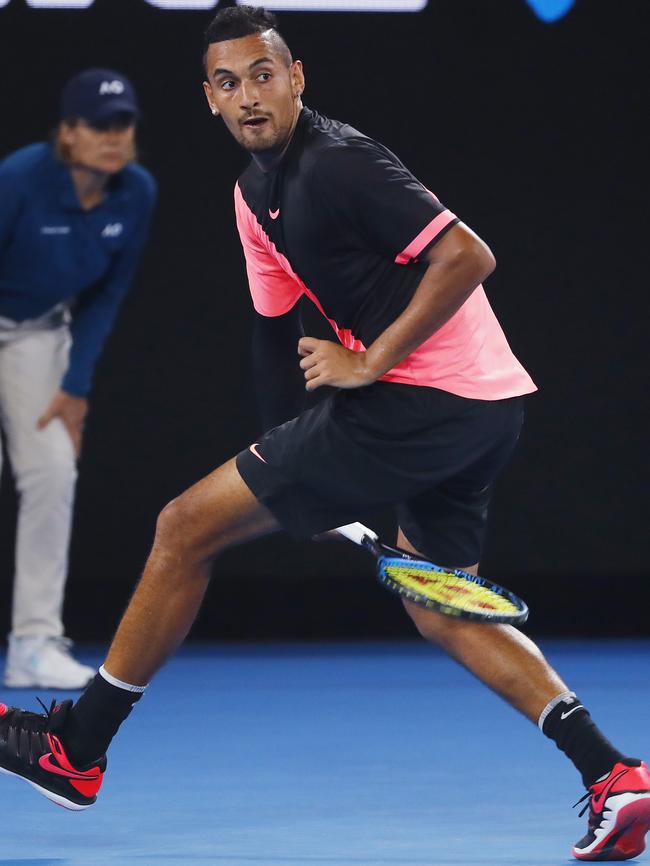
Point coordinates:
pixel 256 122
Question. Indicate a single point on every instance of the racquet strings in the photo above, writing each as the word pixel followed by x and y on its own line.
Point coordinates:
pixel 446 588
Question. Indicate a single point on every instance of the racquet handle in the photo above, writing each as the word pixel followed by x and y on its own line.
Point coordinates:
pixel 356 532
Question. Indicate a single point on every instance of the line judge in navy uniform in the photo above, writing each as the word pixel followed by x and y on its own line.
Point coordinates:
pixel 74 216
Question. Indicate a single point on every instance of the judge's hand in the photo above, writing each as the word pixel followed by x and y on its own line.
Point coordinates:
pixel 72 411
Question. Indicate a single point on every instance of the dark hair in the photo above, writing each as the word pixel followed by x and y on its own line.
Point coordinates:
pixel 234 22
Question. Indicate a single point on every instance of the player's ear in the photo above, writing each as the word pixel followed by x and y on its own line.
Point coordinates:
pixel 297 78
pixel 208 95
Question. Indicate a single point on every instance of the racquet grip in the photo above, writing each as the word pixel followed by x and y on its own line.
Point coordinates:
pixel 356 532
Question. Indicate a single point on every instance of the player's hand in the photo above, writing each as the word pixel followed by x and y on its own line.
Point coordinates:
pixel 72 411
pixel 328 363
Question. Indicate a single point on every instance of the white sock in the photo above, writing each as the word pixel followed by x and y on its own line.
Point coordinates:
pixel 569 697
pixel 120 685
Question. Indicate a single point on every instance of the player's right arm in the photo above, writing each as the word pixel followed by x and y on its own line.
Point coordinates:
pixel 276 297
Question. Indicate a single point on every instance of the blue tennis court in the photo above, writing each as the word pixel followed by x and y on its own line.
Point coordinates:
pixel 333 755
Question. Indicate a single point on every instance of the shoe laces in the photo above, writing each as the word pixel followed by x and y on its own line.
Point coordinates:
pixel 582 799
pixel 594 819
pixel 36 723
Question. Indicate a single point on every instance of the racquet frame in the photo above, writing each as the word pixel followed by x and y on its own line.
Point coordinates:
pixel 390 556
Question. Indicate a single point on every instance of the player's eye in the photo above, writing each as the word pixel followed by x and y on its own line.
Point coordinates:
pixel 227 85
pixel 264 76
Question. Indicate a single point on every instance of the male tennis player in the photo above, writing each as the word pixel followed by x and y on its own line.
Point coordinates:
pixel 427 412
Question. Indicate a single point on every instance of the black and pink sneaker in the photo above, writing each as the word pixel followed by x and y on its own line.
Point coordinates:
pixel 30 749
pixel 619 815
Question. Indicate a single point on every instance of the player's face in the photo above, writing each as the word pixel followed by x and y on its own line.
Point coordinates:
pixel 104 150
pixel 254 90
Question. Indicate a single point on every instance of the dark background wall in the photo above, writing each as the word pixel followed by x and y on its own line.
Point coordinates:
pixel 533 133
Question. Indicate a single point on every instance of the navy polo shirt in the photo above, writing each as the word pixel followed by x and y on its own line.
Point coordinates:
pixel 52 251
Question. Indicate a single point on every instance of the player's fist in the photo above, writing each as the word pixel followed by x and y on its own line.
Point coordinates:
pixel 328 363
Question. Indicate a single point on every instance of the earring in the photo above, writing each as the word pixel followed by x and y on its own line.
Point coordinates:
pixel 214 111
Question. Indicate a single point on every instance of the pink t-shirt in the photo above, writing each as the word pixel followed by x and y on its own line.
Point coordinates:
pixel 343 221
pixel 468 356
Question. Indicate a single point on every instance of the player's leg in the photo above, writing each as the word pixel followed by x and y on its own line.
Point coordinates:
pixel 225 508
pixel 499 655
pixel 447 522
pixel 61 754
pixel 43 462
pixel 618 787
pixel 218 512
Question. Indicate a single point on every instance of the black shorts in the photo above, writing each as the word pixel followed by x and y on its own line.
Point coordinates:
pixel 432 454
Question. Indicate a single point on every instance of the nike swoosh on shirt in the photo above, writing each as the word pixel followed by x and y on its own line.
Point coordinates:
pixel 46 764
pixel 253 449
pixel 566 715
pixel 598 800
pixel 274 214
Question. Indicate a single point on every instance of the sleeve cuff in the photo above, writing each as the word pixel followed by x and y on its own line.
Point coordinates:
pixel 75 387
pixel 428 234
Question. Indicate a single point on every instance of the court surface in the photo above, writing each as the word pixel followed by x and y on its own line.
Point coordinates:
pixel 332 755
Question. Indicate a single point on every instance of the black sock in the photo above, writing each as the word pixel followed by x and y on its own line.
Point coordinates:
pixel 94 720
pixel 569 724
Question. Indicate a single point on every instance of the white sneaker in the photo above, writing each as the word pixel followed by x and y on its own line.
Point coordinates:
pixel 44 663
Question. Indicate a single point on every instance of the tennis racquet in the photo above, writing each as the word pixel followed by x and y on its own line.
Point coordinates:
pixel 449 591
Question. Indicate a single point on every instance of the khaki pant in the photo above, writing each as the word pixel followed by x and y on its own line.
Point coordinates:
pixel 32 365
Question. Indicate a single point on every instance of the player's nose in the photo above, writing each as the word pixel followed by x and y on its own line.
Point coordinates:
pixel 249 95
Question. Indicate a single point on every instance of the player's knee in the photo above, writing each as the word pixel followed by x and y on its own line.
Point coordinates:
pixel 173 527
pixel 181 528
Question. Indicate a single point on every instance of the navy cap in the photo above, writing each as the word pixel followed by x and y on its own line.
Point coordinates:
pixel 97 95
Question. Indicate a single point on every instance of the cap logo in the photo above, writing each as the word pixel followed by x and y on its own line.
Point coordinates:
pixel 111 88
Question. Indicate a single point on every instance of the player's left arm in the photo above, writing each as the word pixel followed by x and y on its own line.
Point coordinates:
pixel 457 264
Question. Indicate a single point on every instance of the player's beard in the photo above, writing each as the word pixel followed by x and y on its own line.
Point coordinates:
pixel 271 139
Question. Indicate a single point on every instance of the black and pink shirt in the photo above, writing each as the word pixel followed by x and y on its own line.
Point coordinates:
pixel 342 221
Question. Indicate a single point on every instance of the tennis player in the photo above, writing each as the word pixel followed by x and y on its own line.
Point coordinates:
pixel 74 216
pixel 427 410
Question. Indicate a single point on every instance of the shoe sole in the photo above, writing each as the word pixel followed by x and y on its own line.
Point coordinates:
pixel 50 795
pixel 632 822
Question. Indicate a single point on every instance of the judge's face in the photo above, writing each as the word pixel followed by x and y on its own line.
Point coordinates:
pixel 106 150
